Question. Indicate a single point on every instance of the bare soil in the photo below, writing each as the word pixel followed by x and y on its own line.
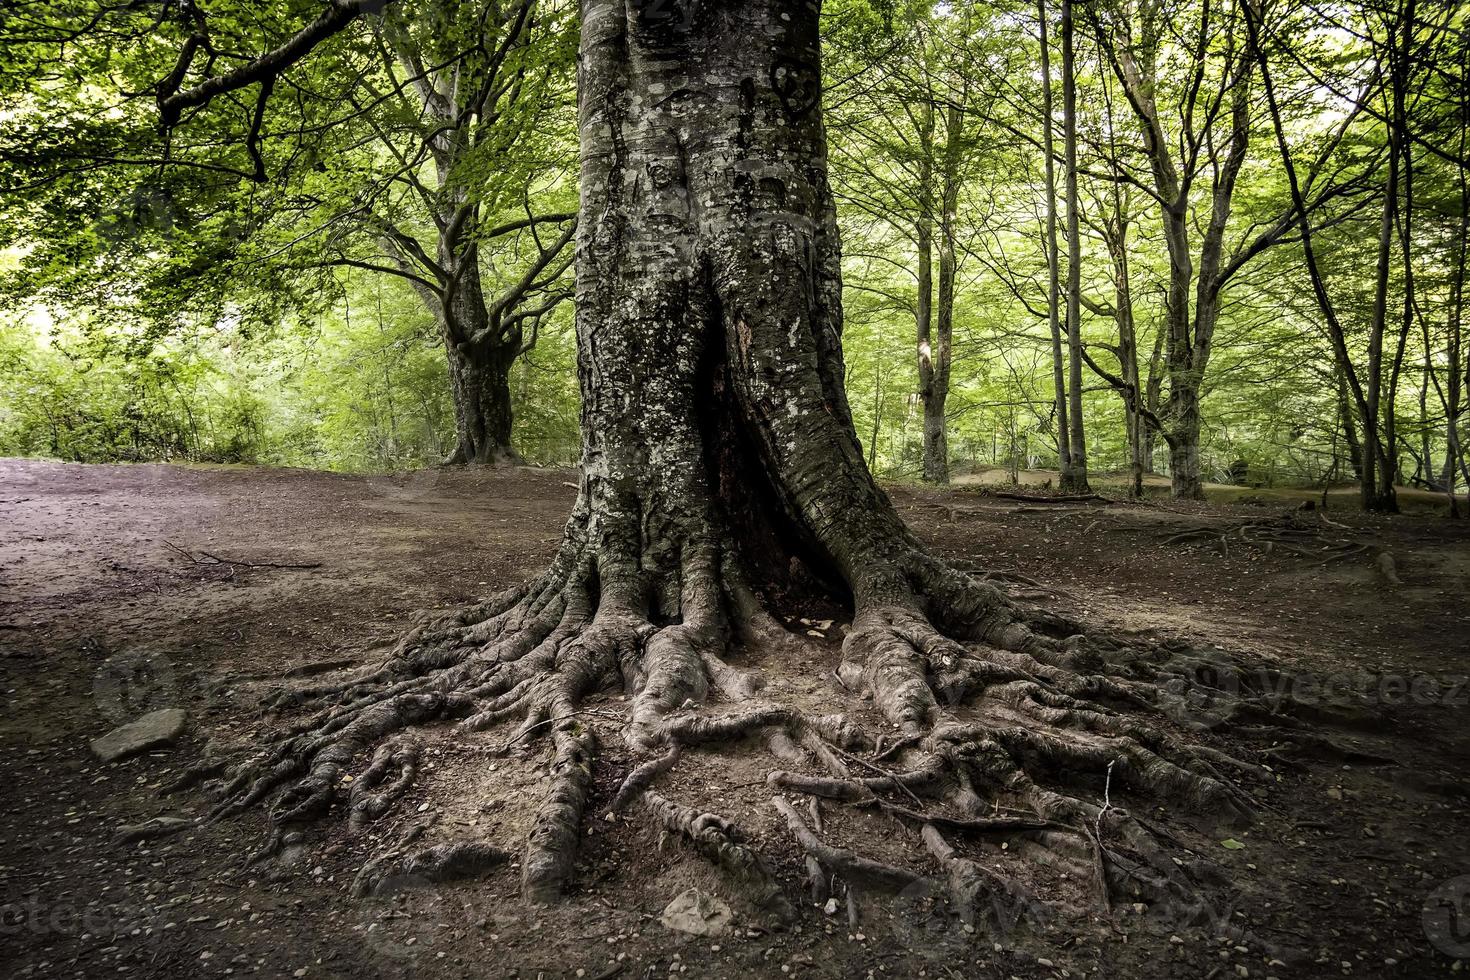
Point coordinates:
pixel 129 588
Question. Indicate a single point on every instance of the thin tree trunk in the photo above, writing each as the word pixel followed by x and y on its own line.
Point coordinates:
pixel 1380 461
pixel 1153 391
pixel 1078 477
pixel 1365 392
pixel 932 387
pixel 1128 350
pixel 1053 256
pixel 1455 380
pixel 936 425
pixel 1349 427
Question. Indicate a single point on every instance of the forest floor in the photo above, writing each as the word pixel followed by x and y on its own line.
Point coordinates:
pixel 110 605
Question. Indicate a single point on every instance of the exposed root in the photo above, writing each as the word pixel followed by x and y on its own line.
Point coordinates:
pixel 1305 534
pixel 552 845
pixel 720 842
pixel 994 722
pixel 861 871
pixel 974 887
pixel 387 777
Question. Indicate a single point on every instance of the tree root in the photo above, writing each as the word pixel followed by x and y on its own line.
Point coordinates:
pixel 1321 541
pixel 857 869
pixel 991 721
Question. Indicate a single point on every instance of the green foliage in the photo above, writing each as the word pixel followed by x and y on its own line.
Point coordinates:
pixel 361 387
pixel 205 295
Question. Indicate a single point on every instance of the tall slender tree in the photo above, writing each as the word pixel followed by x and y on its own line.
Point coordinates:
pixel 1077 479
pixel 1053 257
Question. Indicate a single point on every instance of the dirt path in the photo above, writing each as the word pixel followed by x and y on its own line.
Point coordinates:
pixel 103 617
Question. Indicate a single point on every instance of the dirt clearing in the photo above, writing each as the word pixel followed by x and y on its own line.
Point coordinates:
pixel 127 589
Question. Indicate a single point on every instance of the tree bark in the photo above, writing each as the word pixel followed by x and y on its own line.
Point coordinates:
pixel 1133 396
pixel 936 423
pixel 708 282
pixel 1349 426
pixel 479 368
pixel 931 354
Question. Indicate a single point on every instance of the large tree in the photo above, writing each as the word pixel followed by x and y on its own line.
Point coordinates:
pixel 721 483
pixel 418 143
pixel 460 88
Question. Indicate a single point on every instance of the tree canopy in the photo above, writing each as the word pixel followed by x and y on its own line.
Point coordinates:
pixel 175 224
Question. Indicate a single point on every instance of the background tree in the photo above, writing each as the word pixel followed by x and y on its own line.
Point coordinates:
pixel 386 150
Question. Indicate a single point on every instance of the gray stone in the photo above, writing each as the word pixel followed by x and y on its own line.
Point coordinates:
pixel 155 827
pixel 697 913
pixel 153 730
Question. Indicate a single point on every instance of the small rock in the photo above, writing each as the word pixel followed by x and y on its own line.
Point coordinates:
pixel 697 913
pixel 149 829
pixel 153 730
pixel 831 907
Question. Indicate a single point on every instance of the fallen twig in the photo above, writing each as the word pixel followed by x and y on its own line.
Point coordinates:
pixel 209 558
pixel 1041 498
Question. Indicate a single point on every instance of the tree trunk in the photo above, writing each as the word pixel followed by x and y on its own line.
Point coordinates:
pixel 479 380
pixel 1127 347
pixel 1192 303
pixel 1153 400
pixel 931 356
pixel 1183 439
pixel 935 310
pixel 1349 426
pixel 457 103
pixel 1377 485
pixel 1076 481
pixel 719 452
pixel 479 369
pixel 1053 258
pixel 936 424
pixel 1455 381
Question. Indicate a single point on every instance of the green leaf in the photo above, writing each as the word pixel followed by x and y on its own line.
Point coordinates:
pixel 1231 844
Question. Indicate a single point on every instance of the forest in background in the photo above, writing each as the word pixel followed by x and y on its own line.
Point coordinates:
pixel 1085 254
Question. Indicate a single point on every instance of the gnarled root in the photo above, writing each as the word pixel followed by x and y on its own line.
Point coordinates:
pixel 987 722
